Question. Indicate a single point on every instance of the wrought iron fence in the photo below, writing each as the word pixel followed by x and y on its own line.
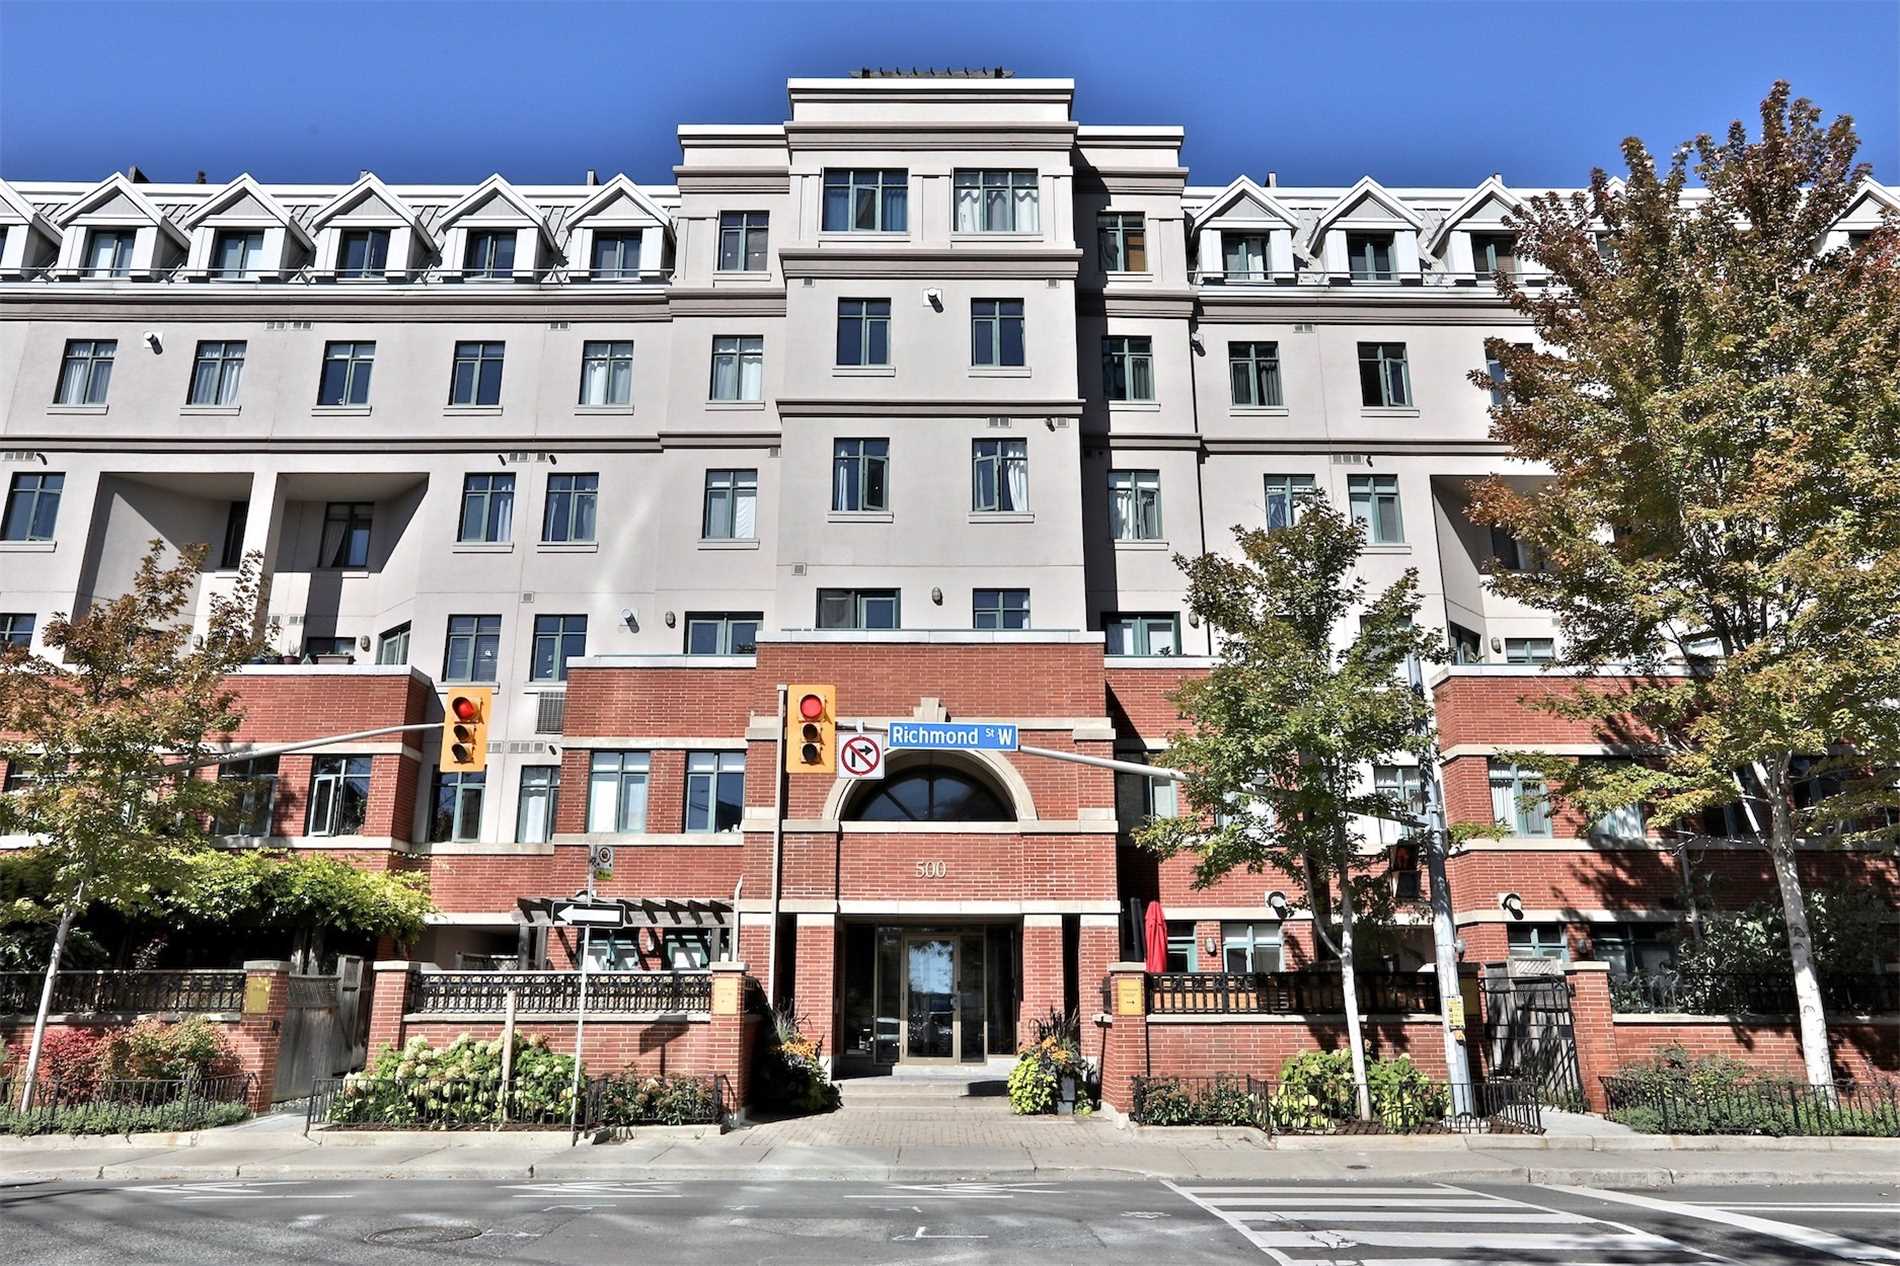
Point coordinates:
pixel 107 992
pixel 1744 993
pixel 1654 1105
pixel 125 1105
pixel 1288 993
pixel 1495 1107
pixel 559 992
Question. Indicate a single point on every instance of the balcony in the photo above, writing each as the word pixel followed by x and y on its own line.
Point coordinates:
pixel 457 993
pixel 1288 993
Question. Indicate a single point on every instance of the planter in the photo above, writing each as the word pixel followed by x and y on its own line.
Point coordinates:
pixel 1065 1096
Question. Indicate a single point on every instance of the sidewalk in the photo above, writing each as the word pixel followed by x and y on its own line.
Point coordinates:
pixel 948 1145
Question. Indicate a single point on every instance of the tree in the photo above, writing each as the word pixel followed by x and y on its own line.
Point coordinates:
pixel 1717 400
pixel 99 740
pixel 1281 730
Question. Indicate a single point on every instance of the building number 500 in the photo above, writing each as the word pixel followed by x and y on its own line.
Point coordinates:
pixel 932 870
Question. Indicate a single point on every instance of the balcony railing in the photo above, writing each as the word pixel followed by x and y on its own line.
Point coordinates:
pixel 1738 993
pixel 1432 278
pixel 123 992
pixel 1288 993
pixel 429 274
pixel 559 992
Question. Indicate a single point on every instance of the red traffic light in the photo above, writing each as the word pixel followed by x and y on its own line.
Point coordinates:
pixel 465 708
pixel 811 707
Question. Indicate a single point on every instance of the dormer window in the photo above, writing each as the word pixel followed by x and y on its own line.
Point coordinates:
pixel 362 252
pixel 1369 255
pixel 1491 253
pixel 1244 256
pixel 109 252
pixel 615 254
pixel 239 253
pixel 490 253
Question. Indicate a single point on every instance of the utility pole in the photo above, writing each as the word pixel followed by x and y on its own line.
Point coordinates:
pixel 1451 998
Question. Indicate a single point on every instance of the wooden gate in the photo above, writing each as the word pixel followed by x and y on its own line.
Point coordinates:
pixel 1531 1031
pixel 325 1030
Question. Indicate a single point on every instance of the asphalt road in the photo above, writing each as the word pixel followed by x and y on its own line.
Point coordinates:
pixel 427 1223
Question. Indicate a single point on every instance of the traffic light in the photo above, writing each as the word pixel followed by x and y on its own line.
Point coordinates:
pixel 465 730
pixel 811 730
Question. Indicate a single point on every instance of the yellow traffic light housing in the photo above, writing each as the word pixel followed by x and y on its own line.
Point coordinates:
pixel 465 729
pixel 811 730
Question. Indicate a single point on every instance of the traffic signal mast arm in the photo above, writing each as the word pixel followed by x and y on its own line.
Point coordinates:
pixel 304 745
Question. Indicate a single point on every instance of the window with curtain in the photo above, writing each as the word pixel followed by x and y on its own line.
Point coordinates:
pixel 346 526
pixel 1128 371
pixel 1538 940
pixel 999 476
pixel 857 608
pixel 732 506
pixel 715 791
pixel 1403 782
pixel 996 201
pixel 617 792
pixel 85 371
pixel 606 374
pixel 1134 505
pixel 237 254
pixel 537 804
pixel 1254 371
pixel 216 370
pixel 569 514
pixel 1123 239
pixel 860 475
pixel 866 201
pixel 489 253
pixel 1519 799
pixel 1287 499
pixel 738 367
pixel 1530 650
pixel 109 252
pixel 1244 256
pixel 488 509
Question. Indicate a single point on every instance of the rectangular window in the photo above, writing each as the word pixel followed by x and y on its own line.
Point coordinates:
pixel 216 371
pixel 999 609
pixel 996 201
pixel 32 507
pixel 606 374
pixel 362 253
pixel 722 633
pixel 1374 502
pixel 457 811
pixel 1403 782
pixel 999 475
pixel 1128 371
pixel 1134 505
pixel 488 509
pixel 490 253
pixel 474 648
pixel 1519 800
pixel 1244 256
pixel 864 332
pixel 1491 253
pixel 339 795
pixel 715 791
pixel 732 506
pixel 742 237
pixel 857 608
pixel 1142 634
pixel 1634 948
pixel 996 332
pixel 1538 940
pixel 616 255
pixel 1140 798
pixel 860 475
pixel 1369 255
pixel 1182 951
pixel 617 792
pixel 1625 822
pixel 1494 370
pixel 1123 237
pixel 330 645
pixel 1250 947
pixel 85 372
pixel 236 518
pixel 1530 650
pixel 237 254
pixel 738 368
pixel 569 514
pixel 537 803
pixel 1510 554
pixel 861 201
pixel 476 378
pixel 346 373
pixel 109 252
pixel 1287 499
pixel 1254 369
pixel 16 629
pixel 1385 380
pixel 252 785
pixel 1466 646
pixel 393 646
pixel 557 639
pixel 346 534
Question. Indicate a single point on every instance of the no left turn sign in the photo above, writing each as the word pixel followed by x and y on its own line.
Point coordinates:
pixel 860 756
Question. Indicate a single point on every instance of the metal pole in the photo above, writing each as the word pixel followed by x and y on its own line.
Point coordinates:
pixel 778 853
pixel 251 753
pixel 1451 1003
pixel 507 1052
pixel 580 1024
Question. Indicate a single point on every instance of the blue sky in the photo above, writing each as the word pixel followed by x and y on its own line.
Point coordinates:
pixel 1413 93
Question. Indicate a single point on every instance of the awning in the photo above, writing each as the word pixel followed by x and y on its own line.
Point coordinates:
pixel 639 912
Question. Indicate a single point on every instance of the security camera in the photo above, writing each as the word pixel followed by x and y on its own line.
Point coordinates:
pixel 1511 904
pixel 153 341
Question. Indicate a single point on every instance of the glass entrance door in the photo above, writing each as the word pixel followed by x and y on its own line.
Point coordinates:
pixel 931 1014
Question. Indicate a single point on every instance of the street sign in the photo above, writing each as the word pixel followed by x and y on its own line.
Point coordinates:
pixel 860 757
pixel 578 912
pixel 600 857
pixel 953 736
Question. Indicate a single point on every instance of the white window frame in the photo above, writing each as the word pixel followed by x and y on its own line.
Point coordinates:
pixel 730 510
pixel 618 792
pixel 1134 505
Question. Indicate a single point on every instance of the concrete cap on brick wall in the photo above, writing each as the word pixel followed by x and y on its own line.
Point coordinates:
pixel 393 964
pixel 727 964
pixel 1125 967
pixel 267 964
pixel 1586 964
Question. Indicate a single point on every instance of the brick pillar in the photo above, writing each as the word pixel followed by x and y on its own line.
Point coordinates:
pixel 1101 946
pixel 261 1025
pixel 815 986
pixel 1124 1047
pixel 729 1043
pixel 1594 1023
pixel 1042 975
pixel 388 1003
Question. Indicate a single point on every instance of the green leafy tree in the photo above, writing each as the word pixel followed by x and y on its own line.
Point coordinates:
pixel 1716 398
pixel 101 736
pixel 1280 732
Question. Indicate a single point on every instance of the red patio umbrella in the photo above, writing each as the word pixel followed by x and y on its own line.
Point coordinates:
pixel 1155 928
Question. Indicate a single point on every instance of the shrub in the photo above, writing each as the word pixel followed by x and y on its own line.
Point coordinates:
pixel 791 1072
pixel 154 1050
pixel 1403 1098
pixel 122 1118
pixel 1166 1101
pixel 1056 1053
pixel 1317 1094
pixel 70 1057
pixel 1676 1093
pixel 460 1084
pixel 629 1099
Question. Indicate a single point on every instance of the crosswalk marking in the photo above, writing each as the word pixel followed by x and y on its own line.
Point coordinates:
pixel 1511 1216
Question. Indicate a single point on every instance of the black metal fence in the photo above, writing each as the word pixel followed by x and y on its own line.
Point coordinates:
pixel 1288 993
pixel 559 992
pixel 618 1099
pixel 1495 1107
pixel 1738 993
pixel 1654 1105
pixel 125 1106
pixel 110 992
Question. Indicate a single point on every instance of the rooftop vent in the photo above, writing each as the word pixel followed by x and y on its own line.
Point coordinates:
pixel 931 72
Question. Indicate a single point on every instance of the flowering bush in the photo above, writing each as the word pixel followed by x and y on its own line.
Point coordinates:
pixel 459 1084
pixel 69 1057
pixel 1056 1053
pixel 791 1074
pixel 153 1049
pixel 628 1099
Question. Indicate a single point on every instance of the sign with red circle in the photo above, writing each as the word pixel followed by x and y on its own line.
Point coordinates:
pixel 860 756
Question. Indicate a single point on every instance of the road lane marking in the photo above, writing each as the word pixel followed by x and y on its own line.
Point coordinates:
pixel 593 1190
pixel 248 1190
pixel 1791 1232
pixel 960 1191
pixel 922 1235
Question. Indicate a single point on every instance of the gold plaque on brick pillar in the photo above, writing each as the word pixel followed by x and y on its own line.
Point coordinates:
pixel 256 995
pixel 1128 999
pixel 725 995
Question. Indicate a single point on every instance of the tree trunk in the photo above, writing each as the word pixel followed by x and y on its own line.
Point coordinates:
pixel 1810 1013
pixel 46 997
pixel 1349 984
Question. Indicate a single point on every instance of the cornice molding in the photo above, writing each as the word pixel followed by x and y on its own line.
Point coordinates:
pixel 1061 263
pixel 964 408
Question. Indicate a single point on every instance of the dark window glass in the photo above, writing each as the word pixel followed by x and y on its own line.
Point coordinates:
pixel 929 793
pixel 346 534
